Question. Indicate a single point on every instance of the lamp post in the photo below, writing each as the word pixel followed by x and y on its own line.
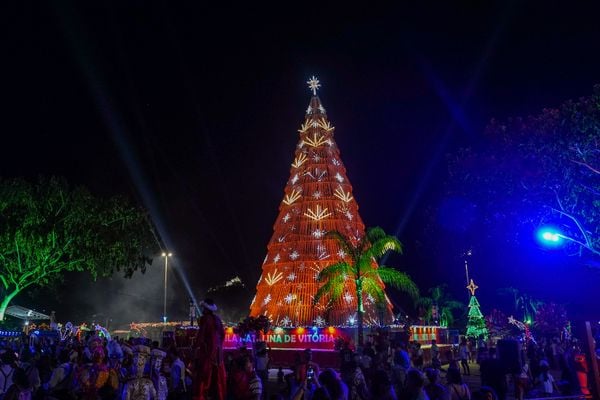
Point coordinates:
pixel 166 256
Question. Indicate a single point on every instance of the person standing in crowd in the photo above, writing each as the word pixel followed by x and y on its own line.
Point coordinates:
pixel 435 355
pixel 262 365
pixel 414 387
pixel 7 369
pixel 458 390
pixel 463 355
pixel 21 388
pixel 434 389
pixel 177 388
pixel 493 374
pixel 244 383
pixel 545 381
pixel 159 380
pixel 210 368
pixel 139 387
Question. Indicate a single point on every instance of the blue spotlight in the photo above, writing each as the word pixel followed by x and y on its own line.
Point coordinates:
pixel 550 236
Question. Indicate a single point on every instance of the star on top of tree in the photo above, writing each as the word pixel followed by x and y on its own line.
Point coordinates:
pixel 313 84
pixel 472 287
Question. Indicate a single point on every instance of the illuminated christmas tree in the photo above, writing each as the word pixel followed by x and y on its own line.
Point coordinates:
pixel 317 199
pixel 476 324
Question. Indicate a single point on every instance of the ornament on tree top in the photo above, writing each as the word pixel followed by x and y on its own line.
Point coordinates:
pixel 313 84
pixel 472 287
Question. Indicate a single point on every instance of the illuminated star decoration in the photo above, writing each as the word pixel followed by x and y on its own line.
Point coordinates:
pixel 313 84
pixel 472 287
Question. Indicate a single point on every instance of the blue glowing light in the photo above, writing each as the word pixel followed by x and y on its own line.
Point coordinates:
pixel 550 236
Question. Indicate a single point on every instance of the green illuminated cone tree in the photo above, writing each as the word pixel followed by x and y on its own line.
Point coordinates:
pixel 476 324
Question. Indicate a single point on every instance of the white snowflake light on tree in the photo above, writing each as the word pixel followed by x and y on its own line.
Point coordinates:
pixel 336 162
pixel 267 299
pixel 348 297
pixel 370 298
pixel 341 253
pixel 309 109
pixel 286 218
pixel 289 298
pixel 345 276
pixel 276 258
pixel 318 234
pixel 317 194
pixel 286 322
pixel 349 215
pixel 291 277
pixel 319 321
pixel 301 267
pixel 316 157
pixel 352 320
pixel 321 108
pixel 294 179
pixel 339 177
pixel 294 255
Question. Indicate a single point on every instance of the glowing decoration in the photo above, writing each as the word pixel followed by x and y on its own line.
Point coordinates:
pixel 317 199
pixel 314 84
pixel 550 236
pixel 289 298
pixel 318 214
pixel 292 197
pixel 325 125
pixel 315 141
pixel 348 297
pixel 266 300
pixel 343 196
pixel 299 160
pixel 472 287
pixel 319 321
pixel 273 279
pixel 476 322
pixel 318 233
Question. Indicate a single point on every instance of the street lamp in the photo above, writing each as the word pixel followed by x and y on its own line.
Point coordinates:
pixel 166 256
pixel 550 236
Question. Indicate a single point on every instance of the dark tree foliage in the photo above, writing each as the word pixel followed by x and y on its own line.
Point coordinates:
pixel 48 228
pixel 539 170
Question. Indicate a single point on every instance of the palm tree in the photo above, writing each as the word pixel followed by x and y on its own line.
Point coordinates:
pixel 524 304
pixel 362 268
pixel 445 304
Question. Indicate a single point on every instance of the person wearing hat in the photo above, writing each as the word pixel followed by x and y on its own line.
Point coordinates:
pixel 159 380
pixel 210 369
pixel 139 387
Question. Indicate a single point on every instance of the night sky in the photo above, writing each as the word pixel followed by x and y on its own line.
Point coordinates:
pixel 192 111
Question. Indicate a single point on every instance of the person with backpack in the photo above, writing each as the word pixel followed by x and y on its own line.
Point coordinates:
pixel 61 380
pixel 20 388
pixel 7 369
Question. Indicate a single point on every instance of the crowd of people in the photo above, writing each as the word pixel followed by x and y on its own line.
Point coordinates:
pixel 401 371
pixel 95 367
